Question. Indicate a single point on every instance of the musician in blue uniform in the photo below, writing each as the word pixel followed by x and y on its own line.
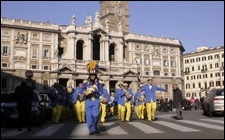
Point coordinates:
pixel 79 103
pixel 103 104
pixel 93 89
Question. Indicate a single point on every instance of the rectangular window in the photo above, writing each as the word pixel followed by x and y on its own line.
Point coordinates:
pixel 198 59
pixel 34 35
pixel 46 54
pixel 211 75
pixel 6 33
pixel 33 66
pixel 173 64
pixel 222 64
pixel 187 77
pixel 211 84
pixel 146 73
pixel 217 83
pixel 205 85
pixel 4 83
pixel 5 50
pixel 216 65
pixel 203 58
pixel 210 57
pixel 166 86
pixel 4 65
pixel 138 60
pixel 193 68
pixel 199 85
pixel 45 67
pixel 193 85
pixel 199 67
pixel 34 53
pixel 210 66
pixel 147 62
pixel 216 56
pixel 47 37
pixel 173 74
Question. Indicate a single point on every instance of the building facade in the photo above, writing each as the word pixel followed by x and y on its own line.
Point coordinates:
pixel 203 70
pixel 60 53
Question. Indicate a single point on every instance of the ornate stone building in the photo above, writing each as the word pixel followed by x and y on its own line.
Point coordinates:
pixel 203 70
pixel 61 52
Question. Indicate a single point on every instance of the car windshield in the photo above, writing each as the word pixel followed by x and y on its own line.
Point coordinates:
pixel 12 97
pixel 220 93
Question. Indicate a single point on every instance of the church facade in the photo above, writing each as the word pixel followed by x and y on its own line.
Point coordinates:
pixel 60 53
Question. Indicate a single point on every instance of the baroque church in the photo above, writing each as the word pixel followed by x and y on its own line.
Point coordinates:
pixel 60 53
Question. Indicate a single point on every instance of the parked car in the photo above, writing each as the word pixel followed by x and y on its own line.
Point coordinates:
pixel 46 101
pixel 214 102
pixel 9 112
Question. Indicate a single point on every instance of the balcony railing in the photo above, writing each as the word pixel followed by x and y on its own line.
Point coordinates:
pixel 204 70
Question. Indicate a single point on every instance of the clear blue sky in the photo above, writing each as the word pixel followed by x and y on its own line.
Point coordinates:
pixel 194 23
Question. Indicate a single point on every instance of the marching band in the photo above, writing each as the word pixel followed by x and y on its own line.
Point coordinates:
pixel 92 101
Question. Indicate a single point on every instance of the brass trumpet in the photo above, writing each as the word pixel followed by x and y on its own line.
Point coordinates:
pixel 126 95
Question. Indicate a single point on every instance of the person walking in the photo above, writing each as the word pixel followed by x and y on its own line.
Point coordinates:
pixel 24 96
pixel 177 99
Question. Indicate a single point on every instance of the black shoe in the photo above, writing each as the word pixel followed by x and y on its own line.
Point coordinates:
pixel 97 131
pixel 155 119
pixel 179 119
pixel 92 133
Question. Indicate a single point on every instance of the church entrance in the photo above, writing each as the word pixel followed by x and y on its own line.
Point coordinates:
pixel 63 82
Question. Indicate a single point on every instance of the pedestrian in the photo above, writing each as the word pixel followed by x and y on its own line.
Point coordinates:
pixel 24 96
pixel 140 103
pixel 149 92
pixel 171 104
pixel 93 89
pixel 118 99
pixel 192 103
pixel 177 99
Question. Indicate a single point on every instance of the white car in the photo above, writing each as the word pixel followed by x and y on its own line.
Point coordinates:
pixel 214 102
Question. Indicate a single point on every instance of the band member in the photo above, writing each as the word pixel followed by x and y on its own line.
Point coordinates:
pixel 118 98
pixel 149 92
pixel 103 104
pixel 80 103
pixel 125 102
pixel 93 89
pixel 112 103
pixel 70 94
pixel 140 101
pixel 56 96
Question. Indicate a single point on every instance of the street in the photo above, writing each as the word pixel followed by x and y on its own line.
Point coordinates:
pixel 193 126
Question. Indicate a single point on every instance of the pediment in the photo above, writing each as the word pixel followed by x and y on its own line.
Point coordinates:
pixel 65 70
pixel 129 73
pixel 99 30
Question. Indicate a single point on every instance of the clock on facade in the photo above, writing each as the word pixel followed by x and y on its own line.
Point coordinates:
pixel 119 11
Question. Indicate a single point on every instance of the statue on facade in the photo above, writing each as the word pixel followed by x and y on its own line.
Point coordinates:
pixel 97 17
pixel 73 20
pixel 156 53
pixel 120 26
pixel 21 38
pixel 106 23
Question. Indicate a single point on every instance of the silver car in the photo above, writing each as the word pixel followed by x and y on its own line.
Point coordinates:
pixel 214 102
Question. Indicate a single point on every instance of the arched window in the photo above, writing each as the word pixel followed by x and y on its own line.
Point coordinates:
pixel 79 50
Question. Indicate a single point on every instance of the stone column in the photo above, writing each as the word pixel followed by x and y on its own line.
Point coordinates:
pixel 106 50
pixel 130 53
pixel 120 53
pixel 101 50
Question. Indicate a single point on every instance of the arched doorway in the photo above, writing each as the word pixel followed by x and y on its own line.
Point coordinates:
pixel 79 50
pixel 112 52
pixel 96 47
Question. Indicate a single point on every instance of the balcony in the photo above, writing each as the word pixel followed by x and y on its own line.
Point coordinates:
pixel 204 70
pixel 186 72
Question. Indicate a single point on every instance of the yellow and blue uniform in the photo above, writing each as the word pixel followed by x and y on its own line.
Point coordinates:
pixel 79 104
pixel 92 103
pixel 125 105
pixel 118 99
pixel 56 96
pixel 102 113
pixel 113 105
pixel 151 100
pixel 140 110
